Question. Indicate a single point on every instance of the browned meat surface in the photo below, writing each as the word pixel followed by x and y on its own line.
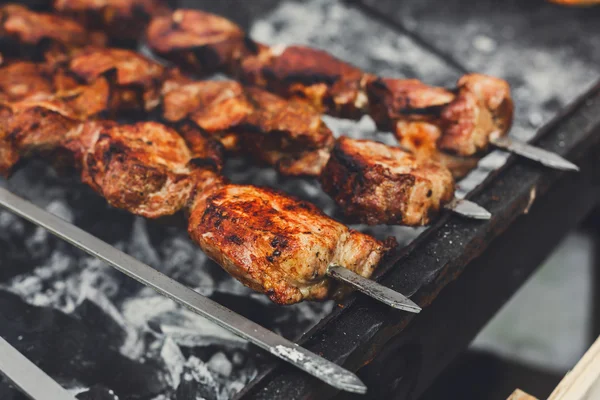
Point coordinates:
pixel 135 80
pixel 286 134
pixel 378 184
pixel 198 41
pixel 482 108
pixel 453 127
pixel 40 35
pixel 459 123
pixel 121 19
pixel 35 128
pixel 276 244
pixel 144 168
pixel 22 80
pixel 329 84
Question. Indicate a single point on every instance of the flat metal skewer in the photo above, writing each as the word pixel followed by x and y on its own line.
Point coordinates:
pixel 25 375
pixel 468 209
pixel 373 289
pixel 526 150
pixel 282 348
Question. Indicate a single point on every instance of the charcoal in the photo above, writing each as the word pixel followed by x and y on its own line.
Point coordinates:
pixel 67 349
pixel 220 364
pixel 100 315
pixel 98 393
pixel 197 382
pixel 173 359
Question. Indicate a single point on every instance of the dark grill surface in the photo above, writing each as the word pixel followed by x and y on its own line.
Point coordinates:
pixel 97 331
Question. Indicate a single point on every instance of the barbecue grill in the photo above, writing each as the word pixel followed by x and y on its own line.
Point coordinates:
pixel 477 264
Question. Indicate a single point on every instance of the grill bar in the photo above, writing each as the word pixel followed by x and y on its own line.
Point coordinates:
pixel 282 348
pixel 28 377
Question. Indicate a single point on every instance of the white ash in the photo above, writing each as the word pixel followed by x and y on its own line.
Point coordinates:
pixel 174 361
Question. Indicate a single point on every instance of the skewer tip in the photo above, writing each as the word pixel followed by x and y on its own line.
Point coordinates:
pixel 468 209
pixel 373 289
pixel 327 371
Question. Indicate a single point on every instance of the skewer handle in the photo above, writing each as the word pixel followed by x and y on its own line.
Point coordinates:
pixel 526 150
pixel 373 289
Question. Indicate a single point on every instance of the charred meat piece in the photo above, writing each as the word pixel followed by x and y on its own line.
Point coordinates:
pixel 40 128
pixel 459 122
pixel 24 80
pixel 201 42
pixel 482 108
pixel 37 35
pixel 329 84
pixel 121 19
pixel 144 168
pixel 289 135
pixel 378 184
pixel 276 244
pixel 135 80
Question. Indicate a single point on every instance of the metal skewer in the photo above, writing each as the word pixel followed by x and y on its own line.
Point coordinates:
pixel 468 209
pixel 373 289
pixel 282 348
pixel 526 150
pixel 25 375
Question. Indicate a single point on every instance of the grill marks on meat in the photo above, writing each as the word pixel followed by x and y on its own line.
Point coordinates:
pixel 37 35
pixel 374 183
pixel 277 244
pixel 121 19
pixel 288 135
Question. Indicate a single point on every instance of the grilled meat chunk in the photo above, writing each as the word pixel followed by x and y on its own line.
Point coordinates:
pixel 289 135
pixel 144 168
pixel 205 43
pixel 199 41
pixel 39 128
pixel 276 244
pixel 329 84
pixel 482 108
pixel 121 19
pixel 459 123
pixel 378 184
pixel 37 35
pixel 135 80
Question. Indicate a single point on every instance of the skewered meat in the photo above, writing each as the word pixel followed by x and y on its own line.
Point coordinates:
pixel 121 19
pixel 136 79
pixel 277 244
pixel 271 242
pixel 426 118
pixel 324 81
pixel 37 35
pixel 374 183
pixel 205 42
pixel 289 135
pixel 454 126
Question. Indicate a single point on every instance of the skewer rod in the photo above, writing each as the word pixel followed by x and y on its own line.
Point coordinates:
pixel 282 348
pixel 25 375
pixel 373 289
